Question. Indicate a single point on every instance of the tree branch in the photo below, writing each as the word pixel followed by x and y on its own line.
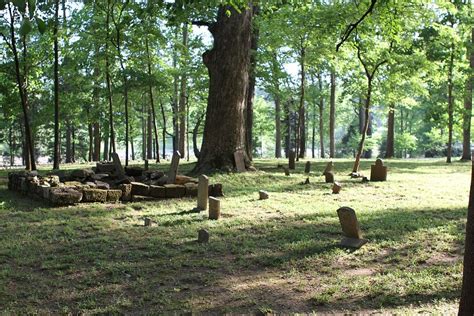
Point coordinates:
pixel 201 23
pixel 351 27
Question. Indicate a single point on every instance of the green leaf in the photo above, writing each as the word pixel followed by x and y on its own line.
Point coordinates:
pixel 31 8
pixel 21 5
pixel 25 27
pixel 42 27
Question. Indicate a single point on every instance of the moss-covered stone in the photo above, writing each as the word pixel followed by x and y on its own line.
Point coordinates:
pixel 157 191
pixel 94 195
pixel 114 195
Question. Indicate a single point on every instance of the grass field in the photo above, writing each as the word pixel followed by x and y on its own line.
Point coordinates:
pixel 278 255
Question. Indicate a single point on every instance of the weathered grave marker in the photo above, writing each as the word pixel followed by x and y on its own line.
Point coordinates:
pixel 378 172
pixel 329 168
pixel 350 228
pixel 263 195
pixel 203 236
pixel 329 177
pixel 214 208
pixel 307 168
pixel 291 160
pixel 336 188
pixel 239 161
pixel 173 168
pixel 147 221
pixel 119 171
pixel 203 192
pixel 287 171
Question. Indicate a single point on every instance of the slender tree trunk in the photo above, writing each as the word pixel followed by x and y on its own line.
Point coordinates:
pixel 300 135
pixel 390 151
pixel 277 127
pixel 108 82
pixel 251 87
pixel 97 141
pixel 144 135
pixel 196 149
pixel 332 115
pixel 228 63
pixel 30 163
pixel 56 158
pixel 466 304
pixel 152 102
pixel 175 105
pixel 466 140
pixel 164 130
pixel 182 96
pixel 288 129
pixel 11 145
pixel 313 133
pixel 73 145
pixel 450 105
pixel 365 128
pixel 149 135
pixel 106 145
pixel 321 116
pixel 91 136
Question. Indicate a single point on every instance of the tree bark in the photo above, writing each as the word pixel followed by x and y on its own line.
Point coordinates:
pixel 152 102
pixel 321 116
pixel 360 149
pixel 56 153
pixel 466 140
pixel 68 142
pixel 108 82
pixel 196 149
pixel 182 96
pixel 164 130
pixel 390 150
pixel 332 115
pixel 30 163
pixel 251 87
pixel 450 105
pixel 277 126
pixel 466 304
pixel 149 143
pixel 301 135
pixel 228 63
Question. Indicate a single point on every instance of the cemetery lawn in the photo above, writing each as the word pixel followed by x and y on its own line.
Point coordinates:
pixel 278 255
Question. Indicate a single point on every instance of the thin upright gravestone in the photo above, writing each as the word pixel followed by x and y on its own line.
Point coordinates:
pixel 173 168
pixel 239 161
pixel 350 228
pixel 307 168
pixel 214 208
pixel 203 236
pixel 291 160
pixel 329 173
pixel 203 192
pixel 378 172
pixel 119 171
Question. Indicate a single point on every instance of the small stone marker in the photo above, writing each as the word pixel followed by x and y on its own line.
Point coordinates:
pixel 336 188
pixel 307 181
pixel 239 161
pixel 173 168
pixel 287 171
pixel 329 168
pixel 329 177
pixel 378 172
pixel 120 172
pixel 307 167
pixel 203 192
pixel 214 208
pixel 350 228
pixel 263 195
pixel 291 160
pixel 203 236
pixel 147 221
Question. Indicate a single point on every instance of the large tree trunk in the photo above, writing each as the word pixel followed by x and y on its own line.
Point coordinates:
pixel 466 139
pixel 182 98
pixel 389 152
pixel 228 63
pixel 56 145
pixel 450 106
pixel 332 115
pixel 466 304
